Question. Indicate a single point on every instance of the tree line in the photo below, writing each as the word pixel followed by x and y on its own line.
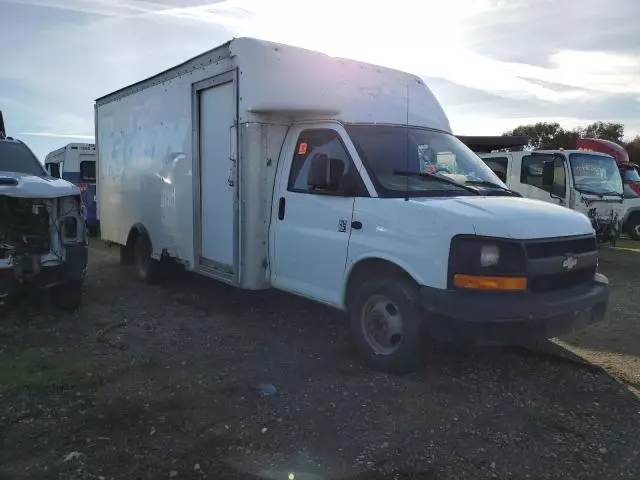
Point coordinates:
pixel 550 136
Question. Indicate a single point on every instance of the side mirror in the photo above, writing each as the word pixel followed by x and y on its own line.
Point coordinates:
pixel 548 172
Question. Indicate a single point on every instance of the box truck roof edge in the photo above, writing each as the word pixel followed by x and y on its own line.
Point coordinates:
pixel 295 82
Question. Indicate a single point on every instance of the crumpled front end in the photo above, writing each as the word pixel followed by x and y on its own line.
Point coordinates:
pixel 607 225
pixel 43 242
pixel 606 215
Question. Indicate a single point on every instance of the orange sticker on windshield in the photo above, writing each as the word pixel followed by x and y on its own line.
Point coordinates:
pixel 302 148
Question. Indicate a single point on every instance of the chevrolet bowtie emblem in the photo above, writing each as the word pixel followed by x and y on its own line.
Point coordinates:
pixel 569 262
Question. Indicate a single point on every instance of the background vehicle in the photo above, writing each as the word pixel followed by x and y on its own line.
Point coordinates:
pixel 76 163
pixel 43 240
pixel 630 178
pixel 588 182
pixel 264 165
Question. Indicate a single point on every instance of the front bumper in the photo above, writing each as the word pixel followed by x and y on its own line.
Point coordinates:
pixel 502 318
pixel 72 270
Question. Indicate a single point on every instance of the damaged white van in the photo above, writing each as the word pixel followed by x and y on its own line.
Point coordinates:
pixel 43 241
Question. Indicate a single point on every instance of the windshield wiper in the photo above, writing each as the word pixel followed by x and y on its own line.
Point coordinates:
pixel 431 176
pixel 486 183
pixel 599 194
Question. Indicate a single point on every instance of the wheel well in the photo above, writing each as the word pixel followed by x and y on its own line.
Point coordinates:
pixel 135 232
pixel 373 267
pixel 631 216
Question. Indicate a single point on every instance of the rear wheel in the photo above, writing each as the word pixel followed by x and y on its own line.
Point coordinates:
pixel 387 324
pixel 148 268
pixel 633 226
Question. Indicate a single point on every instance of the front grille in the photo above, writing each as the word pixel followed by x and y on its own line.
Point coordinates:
pixel 561 280
pixel 558 248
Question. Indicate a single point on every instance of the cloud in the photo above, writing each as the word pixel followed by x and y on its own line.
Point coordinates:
pixel 425 40
pixel 110 8
pixel 56 135
pixel 502 61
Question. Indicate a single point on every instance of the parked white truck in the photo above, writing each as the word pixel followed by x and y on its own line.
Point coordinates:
pixel 43 241
pixel 264 165
pixel 588 182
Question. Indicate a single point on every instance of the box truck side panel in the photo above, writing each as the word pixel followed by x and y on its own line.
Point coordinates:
pixel 147 140
pixel 217 112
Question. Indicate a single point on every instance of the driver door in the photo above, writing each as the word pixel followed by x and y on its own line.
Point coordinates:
pixel 544 177
pixel 311 227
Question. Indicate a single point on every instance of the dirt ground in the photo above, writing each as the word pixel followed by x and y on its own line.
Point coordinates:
pixel 161 382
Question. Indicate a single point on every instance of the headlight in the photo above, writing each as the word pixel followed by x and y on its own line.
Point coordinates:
pixel 487 263
pixel 489 255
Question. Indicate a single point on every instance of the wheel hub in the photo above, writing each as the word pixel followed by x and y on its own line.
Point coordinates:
pixel 381 324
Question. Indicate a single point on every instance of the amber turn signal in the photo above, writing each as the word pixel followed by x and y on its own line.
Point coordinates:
pixel 489 283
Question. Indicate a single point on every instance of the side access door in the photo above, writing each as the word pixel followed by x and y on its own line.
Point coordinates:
pixel 215 198
pixel 311 223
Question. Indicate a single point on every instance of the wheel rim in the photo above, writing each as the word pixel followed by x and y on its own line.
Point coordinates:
pixel 636 230
pixel 381 325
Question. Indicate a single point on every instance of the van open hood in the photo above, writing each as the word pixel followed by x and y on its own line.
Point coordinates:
pixel 14 184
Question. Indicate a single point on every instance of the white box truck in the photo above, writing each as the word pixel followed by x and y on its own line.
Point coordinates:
pixel 264 165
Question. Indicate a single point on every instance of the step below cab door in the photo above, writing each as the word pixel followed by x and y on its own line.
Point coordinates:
pixel 311 222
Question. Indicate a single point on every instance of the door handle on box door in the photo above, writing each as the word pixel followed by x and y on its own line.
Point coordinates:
pixel 356 225
pixel 231 180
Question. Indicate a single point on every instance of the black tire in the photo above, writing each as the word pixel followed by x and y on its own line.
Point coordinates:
pixel 404 354
pixel 67 296
pixel 633 226
pixel 148 269
pixel 126 255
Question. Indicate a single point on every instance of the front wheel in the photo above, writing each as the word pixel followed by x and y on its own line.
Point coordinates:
pixel 387 324
pixel 67 296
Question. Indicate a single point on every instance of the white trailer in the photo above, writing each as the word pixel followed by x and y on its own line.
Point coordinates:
pixel 264 165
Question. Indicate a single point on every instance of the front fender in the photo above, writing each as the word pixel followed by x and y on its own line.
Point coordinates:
pixel 412 272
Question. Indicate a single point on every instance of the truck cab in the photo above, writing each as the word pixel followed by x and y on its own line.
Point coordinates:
pixel 587 182
pixel 43 243
pixel 630 179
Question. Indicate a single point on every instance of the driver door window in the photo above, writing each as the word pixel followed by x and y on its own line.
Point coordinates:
pixel 54 169
pixel 532 174
pixel 314 145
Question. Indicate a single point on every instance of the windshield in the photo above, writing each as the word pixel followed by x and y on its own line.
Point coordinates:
pixel 595 173
pixel 395 156
pixel 15 157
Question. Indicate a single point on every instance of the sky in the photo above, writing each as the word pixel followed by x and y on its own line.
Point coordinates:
pixel 493 64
